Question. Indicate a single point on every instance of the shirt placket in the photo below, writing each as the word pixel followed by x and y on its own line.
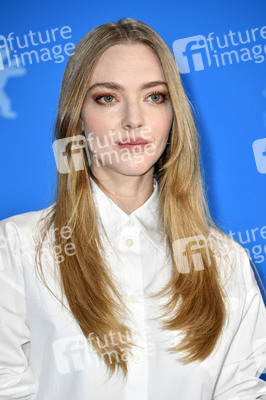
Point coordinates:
pixel 129 243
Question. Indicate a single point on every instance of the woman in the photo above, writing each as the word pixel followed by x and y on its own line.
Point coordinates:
pixel 124 288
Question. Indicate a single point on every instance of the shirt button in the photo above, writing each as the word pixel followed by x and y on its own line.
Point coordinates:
pixel 130 223
pixel 129 242
pixel 136 358
pixel 132 299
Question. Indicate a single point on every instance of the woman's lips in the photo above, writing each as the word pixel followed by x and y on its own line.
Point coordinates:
pixel 133 146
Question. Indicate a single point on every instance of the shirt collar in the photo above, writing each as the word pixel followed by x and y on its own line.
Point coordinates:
pixel 114 219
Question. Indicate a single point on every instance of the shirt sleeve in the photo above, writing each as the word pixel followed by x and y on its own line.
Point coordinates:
pixel 16 376
pixel 246 358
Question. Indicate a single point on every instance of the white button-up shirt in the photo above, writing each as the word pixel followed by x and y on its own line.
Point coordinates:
pixel 44 354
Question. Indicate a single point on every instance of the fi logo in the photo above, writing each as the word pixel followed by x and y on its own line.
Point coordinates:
pixel 70 148
pixel 259 150
pixel 191 54
pixel 191 248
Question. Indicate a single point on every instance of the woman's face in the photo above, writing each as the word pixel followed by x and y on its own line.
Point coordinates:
pixel 127 113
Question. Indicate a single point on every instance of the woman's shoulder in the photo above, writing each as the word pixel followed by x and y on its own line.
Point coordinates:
pixel 223 245
pixel 233 261
pixel 25 222
pixel 231 258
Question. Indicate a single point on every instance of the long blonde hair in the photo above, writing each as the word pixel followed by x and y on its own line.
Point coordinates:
pixel 92 295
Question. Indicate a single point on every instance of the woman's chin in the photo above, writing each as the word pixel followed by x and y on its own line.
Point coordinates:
pixel 129 168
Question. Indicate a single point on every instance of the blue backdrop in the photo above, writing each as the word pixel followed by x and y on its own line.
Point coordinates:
pixel 220 49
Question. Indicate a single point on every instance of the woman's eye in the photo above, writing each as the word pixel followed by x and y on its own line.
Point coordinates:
pixel 156 97
pixel 108 99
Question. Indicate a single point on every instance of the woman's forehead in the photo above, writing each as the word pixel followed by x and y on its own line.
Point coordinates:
pixel 127 59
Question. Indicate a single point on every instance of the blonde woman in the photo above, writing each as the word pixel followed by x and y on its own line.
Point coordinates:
pixel 124 288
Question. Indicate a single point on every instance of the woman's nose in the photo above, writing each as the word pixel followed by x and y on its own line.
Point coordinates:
pixel 132 116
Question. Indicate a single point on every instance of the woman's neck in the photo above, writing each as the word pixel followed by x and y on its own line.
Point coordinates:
pixel 127 192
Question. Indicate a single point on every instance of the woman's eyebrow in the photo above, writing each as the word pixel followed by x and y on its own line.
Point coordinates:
pixel 117 86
